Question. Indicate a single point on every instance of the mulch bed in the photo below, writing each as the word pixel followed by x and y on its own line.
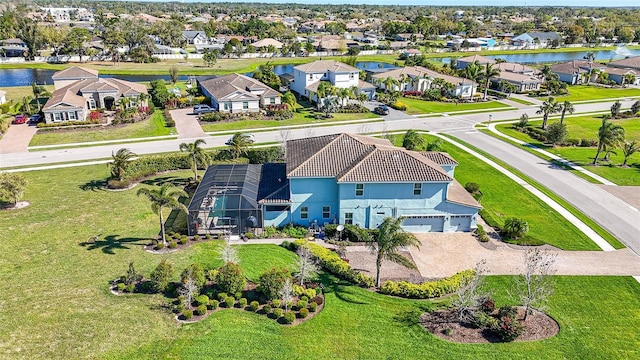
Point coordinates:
pixel 18 206
pixel 152 248
pixel 538 326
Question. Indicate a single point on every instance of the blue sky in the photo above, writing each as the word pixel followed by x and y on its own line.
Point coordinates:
pixel 573 3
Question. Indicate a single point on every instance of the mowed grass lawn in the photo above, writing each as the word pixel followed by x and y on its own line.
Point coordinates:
pixel 586 127
pixel 417 106
pixel 586 92
pixel 154 126
pixel 56 302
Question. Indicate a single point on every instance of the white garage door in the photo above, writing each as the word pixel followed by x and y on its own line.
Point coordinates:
pixel 426 223
pixel 460 222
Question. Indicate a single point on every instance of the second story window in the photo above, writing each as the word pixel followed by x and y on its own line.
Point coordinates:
pixel 304 212
pixel 359 189
pixel 417 189
pixel 326 212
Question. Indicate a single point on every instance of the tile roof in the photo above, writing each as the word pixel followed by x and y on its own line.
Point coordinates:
pixel 236 87
pixel 458 195
pixel 72 93
pixel 75 73
pixel 513 67
pixel 357 158
pixel 479 58
pixel 419 71
pixel 266 42
pixel 619 71
pixel 575 67
pixel 631 62
pixel 440 158
pixel 326 65
pixel 516 78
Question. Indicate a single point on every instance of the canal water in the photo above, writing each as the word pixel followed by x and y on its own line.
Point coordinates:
pixel 25 77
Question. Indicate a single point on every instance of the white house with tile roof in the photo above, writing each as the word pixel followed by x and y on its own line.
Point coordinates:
pixel 418 78
pixel 238 93
pixel 307 77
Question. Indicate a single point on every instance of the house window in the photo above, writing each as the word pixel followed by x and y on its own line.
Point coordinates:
pixel 226 106
pixel 72 115
pixel 326 212
pixel 417 189
pixel 245 105
pixel 348 218
pixel 359 189
pixel 272 101
pixel 310 76
pixel 57 117
pixel 351 76
pixel 92 104
pixel 304 212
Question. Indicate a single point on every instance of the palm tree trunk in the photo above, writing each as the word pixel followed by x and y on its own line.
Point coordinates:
pixel 378 266
pixel 544 121
pixel 486 90
pixel 595 160
pixel 195 168
pixel 562 116
pixel 162 226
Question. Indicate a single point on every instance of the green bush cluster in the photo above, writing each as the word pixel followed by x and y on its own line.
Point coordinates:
pixel 254 306
pixel 276 303
pixel 183 240
pixel 277 312
pixel 266 309
pixel 67 124
pixel 121 286
pixel 289 317
pixel 313 306
pixel 304 293
pixel 201 310
pixel 398 106
pixel 271 282
pixel 229 301
pixel 242 303
pixel 231 278
pixel 331 262
pixel 187 314
pixel 202 300
pixel 352 233
pixel 301 304
pixel 429 289
pixel 304 313
pixel 481 233
pixel 214 304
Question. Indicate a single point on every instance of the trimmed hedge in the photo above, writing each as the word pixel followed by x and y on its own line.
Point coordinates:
pixel 429 289
pixel 331 262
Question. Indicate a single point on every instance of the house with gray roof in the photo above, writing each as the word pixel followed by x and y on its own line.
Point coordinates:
pixel 536 38
pixel 630 63
pixel 336 179
pixel 522 76
pixel 235 93
pixel 195 37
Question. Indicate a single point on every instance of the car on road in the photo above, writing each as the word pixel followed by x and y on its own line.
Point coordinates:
pixel 19 119
pixel 248 135
pixel 381 110
pixel 202 109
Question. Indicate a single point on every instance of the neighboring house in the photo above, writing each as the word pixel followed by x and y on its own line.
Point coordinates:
pixel 265 43
pixel 339 179
pixel 79 90
pixel 3 97
pixel 409 36
pixel 520 75
pixel 195 37
pixel 238 93
pixel 418 78
pixel 473 42
pixel 13 48
pixel 619 75
pixel 630 63
pixel 307 77
pixel 536 38
pixel 412 52
pixel 463 62
pixel 572 72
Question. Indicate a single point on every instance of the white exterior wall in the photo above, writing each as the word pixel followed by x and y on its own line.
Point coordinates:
pixel 237 106
pixel 267 101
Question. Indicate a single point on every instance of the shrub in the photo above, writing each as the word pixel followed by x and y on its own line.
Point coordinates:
pixel 179 308
pixel 301 304
pixel 398 106
pixel 213 304
pixel 161 276
pixel 212 274
pixel 160 246
pixel 289 317
pixel 277 312
pixel 485 321
pixel 196 238
pixel 121 286
pixel 507 311
pixel 201 310
pixel 515 228
pixel 187 314
pixel 130 288
pixel 238 295
pixel 254 306
pixel 427 289
pixel 207 236
pixel 304 298
pixel 202 300
pixel 229 301
pixel 231 278
pixel 271 282
pixel 318 300
pixel 276 303
pixel 222 296
pixel 304 313
pixel 266 309
pixel 488 305
pixel 173 245
pixel 313 306
pixel 196 272
pixel 242 303
pixel 472 187
pixel 183 240
pixel 509 328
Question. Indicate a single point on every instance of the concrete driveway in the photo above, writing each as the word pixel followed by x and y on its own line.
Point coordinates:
pixel 444 254
pixel 187 124
pixel 393 113
pixel 17 138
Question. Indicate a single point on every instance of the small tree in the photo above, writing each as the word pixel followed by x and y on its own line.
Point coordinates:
pixel 195 272
pixel 615 109
pixel 286 293
pixel 209 58
pixel 231 278
pixel 174 73
pixel 435 145
pixel 469 297
pixel 239 144
pixel 635 108
pixel 121 160
pixel 132 275
pixel 165 197
pixel 306 264
pixel 515 228
pixel 629 148
pixel 557 133
pixel 229 254
pixel 271 282
pixel 387 243
pixel 189 290
pixel 522 123
pixel 161 276
pixel 197 155
pixel 413 141
pixel 548 107
pixel 536 284
pixel 609 136
pixel 12 186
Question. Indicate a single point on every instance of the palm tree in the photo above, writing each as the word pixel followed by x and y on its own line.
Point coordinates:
pixel 324 89
pixel 344 94
pixel 489 72
pixel 390 83
pixel 590 57
pixel 628 79
pixel 629 148
pixel 546 72
pixel 197 155
pixel 121 160
pixel 609 136
pixel 165 197
pixel 565 107
pixel 391 237
pixel 549 106
pixel 473 71
pixel 39 91
pixel 239 144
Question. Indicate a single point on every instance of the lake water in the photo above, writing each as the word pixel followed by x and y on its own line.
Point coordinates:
pixel 25 77
pixel 602 55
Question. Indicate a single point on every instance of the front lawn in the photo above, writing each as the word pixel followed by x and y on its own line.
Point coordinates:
pixel 154 126
pixel 417 106
pixel 586 92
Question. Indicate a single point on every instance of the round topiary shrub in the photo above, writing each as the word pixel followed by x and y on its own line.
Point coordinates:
pixel 202 300
pixel 277 312
pixel 242 303
pixel 183 240
pixel 130 288
pixel 313 306
pixel 304 313
pixel 187 314
pixel 173 245
pixel 222 296
pixel 238 295
pixel 201 310
pixel 229 301
pixel 301 304
pixel 196 238
pixel 289 318
pixel 254 306
pixel 208 237
pixel 304 298
pixel 213 304
pixel 121 286
pixel 160 246
pixel 271 282
pixel 276 303
pixel 266 309
pixel 231 278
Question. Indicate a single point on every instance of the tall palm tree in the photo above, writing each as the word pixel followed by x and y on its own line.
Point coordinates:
pixel 39 91
pixel 390 83
pixel 473 71
pixel 549 106
pixel 197 155
pixel 386 245
pixel 344 94
pixel 565 107
pixel 628 79
pixel 609 136
pixel 489 72
pixel 546 72
pixel 629 148
pixel 239 144
pixel 121 160
pixel 164 197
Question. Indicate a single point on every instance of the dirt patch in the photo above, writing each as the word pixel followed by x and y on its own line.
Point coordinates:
pixel 444 324
pixel 363 260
